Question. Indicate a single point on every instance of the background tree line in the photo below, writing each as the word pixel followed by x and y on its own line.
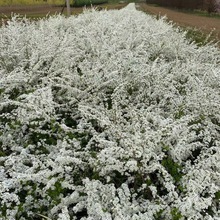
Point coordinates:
pixel 208 5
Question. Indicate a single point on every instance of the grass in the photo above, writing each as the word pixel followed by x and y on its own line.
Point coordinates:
pixel 81 3
pixel 30 2
pixel 200 37
pixel 200 13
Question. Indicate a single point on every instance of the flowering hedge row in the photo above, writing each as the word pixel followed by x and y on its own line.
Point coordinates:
pixel 107 115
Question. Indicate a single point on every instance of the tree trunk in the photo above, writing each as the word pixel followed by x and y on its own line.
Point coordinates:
pixel 68 7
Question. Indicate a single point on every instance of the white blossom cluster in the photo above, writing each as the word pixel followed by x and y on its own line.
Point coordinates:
pixel 108 115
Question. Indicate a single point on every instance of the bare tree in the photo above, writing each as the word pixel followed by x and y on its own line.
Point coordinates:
pixel 210 5
pixel 217 5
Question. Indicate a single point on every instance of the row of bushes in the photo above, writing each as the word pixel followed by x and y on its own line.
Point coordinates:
pixel 79 3
pixel 209 5
pixel 107 115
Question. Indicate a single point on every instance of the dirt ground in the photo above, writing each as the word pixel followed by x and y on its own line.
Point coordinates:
pixel 206 24
pixel 30 10
pixel 43 10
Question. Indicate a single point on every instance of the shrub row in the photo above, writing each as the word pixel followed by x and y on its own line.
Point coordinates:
pixel 107 115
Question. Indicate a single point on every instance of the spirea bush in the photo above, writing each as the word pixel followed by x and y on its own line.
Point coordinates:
pixel 108 115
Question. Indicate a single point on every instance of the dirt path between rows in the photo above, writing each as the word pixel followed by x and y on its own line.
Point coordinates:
pixel 205 24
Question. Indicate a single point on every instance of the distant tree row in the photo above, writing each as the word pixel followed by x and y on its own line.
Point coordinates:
pixel 208 5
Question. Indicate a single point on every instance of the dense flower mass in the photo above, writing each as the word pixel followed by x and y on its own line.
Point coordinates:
pixel 108 115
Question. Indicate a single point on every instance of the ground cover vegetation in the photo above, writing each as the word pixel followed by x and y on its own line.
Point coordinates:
pixel 200 12
pixel 80 3
pixel 108 115
pixel 31 2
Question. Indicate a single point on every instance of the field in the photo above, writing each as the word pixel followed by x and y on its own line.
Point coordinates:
pixel 108 115
pixel 31 2
pixel 41 11
pixel 35 9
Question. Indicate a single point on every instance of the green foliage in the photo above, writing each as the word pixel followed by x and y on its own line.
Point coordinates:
pixel 132 89
pixel 55 192
pixel 200 124
pixel 3 209
pixel 139 180
pixel 217 195
pixel 159 215
pixel 108 100
pixel 202 13
pixel 80 3
pixel 2 91
pixel 35 138
pixel 176 214
pixel 29 2
pixel 108 103
pixel 173 168
pixel 117 178
pixel 70 122
pixel 29 188
pixel 179 114
pixel 199 37
pixel 198 120
pixel 14 93
pixel 2 153
pixel 122 1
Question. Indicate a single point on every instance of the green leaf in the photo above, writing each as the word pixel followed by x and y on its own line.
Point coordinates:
pixel 176 214
pixel 173 168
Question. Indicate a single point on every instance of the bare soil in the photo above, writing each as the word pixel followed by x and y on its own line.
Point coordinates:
pixel 43 10
pixel 205 24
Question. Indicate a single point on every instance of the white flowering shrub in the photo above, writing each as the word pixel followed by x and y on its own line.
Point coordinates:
pixel 107 115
